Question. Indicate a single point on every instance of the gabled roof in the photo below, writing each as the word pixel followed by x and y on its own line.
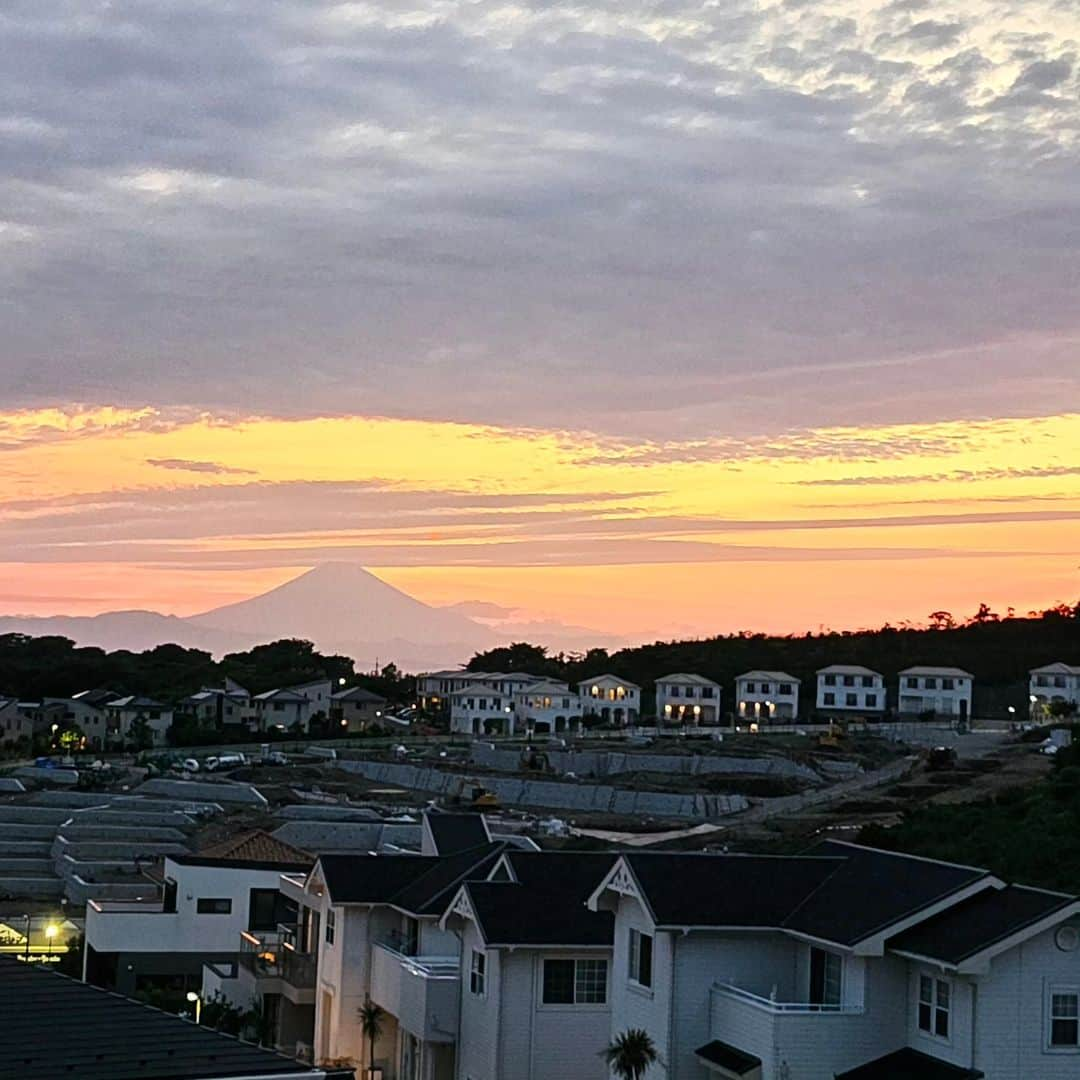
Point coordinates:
pixel 907 1064
pixel 66 1028
pixel 359 693
pixel 945 672
pixel 135 701
pixel 452 833
pixel 608 677
pixel 290 696
pixel 848 669
pixel 774 676
pixel 544 904
pixel 257 846
pixel 547 686
pixel 473 688
pixel 985 920
pixel 1056 669
pixel 416 883
pixel 683 677
pixel 837 892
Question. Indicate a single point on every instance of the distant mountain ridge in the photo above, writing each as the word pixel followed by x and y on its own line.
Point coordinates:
pixel 341 607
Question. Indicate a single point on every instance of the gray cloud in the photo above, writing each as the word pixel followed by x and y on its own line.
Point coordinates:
pixel 616 214
pixel 184 465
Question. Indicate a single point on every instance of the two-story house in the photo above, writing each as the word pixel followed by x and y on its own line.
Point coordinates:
pixel 194 915
pixel 548 706
pixel 766 695
pixel 535 998
pixel 612 699
pixel 222 707
pixel 126 715
pixel 1054 684
pixel 943 691
pixel 844 963
pixel 480 709
pixel 850 689
pixel 356 709
pixel 687 699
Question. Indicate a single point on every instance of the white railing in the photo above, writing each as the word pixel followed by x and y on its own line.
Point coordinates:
pixel 803 1008
pixel 427 967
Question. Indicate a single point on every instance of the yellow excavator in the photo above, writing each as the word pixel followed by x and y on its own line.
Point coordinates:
pixel 472 795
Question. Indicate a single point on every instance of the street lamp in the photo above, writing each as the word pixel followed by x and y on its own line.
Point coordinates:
pixel 50 933
pixel 197 1002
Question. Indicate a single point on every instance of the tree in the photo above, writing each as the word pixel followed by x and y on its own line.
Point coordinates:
pixel 630 1054
pixel 942 620
pixel 69 736
pixel 142 735
pixel 371 1021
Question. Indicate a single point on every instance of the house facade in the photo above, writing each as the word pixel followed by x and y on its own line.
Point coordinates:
pixel 548 706
pixel 943 691
pixel 125 716
pixel 611 699
pixel 224 707
pixel 1054 684
pixel 766 696
pixel 356 709
pixel 687 699
pixel 845 964
pixel 850 689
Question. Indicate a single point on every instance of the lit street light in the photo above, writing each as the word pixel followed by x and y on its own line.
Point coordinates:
pixel 197 1002
pixel 50 933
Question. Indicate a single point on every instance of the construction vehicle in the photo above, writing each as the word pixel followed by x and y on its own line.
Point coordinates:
pixel 835 736
pixel 471 795
pixel 941 758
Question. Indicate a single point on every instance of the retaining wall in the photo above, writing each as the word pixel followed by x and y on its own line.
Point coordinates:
pixel 193 789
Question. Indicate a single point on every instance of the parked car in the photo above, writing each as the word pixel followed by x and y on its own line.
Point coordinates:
pixel 189 765
pixel 274 757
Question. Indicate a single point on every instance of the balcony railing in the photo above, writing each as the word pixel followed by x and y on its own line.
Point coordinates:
pixel 271 956
pixel 803 1008
pixel 421 991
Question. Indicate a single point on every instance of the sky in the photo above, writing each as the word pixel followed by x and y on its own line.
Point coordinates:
pixel 660 317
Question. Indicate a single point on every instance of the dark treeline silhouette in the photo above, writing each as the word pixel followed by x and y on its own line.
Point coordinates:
pixel 999 650
pixel 32 668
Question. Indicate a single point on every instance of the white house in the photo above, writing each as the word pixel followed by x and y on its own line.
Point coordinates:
pixel 479 709
pixel 850 688
pixel 222 707
pixel 687 699
pixel 125 713
pixel 613 699
pixel 356 709
pixel 766 695
pixel 844 964
pixel 548 706
pixel 435 690
pixel 1053 684
pixel 206 901
pixel 944 691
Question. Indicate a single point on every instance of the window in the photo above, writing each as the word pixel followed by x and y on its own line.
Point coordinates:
pixel 751 688
pixel 263 909
pixel 871 701
pixel 575 982
pixel 830 680
pixel 868 680
pixel 826 970
pixel 641 958
pixel 948 684
pixel 1064 1017
pixel 934 995
pixel 931 684
pixel 912 682
pixel 168 896
pixel 689 691
pixel 849 680
pixel 851 699
pixel 785 689
pixel 477 972
pixel 673 691
pixel 213 906
pixel 706 691
pixel 331 926
pixel 829 699
pixel 766 688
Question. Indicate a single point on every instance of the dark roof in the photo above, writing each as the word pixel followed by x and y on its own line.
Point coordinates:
pixel 64 1028
pixel 977 923
pixel 873 890
pixel 457 832
pixel 546 904
pixel 690 889
pixel 837 892
pixel 417 883
pixel 728 1057
pixel 358 693
pixel 909 1064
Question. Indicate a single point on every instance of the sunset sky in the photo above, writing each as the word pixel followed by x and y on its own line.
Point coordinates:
pixel 660 317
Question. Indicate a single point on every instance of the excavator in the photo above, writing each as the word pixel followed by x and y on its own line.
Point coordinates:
pixel 472 795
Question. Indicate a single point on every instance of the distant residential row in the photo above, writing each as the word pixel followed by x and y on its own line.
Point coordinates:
pixel 478 703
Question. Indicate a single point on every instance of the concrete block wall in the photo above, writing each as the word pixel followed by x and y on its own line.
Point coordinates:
pixel 244 794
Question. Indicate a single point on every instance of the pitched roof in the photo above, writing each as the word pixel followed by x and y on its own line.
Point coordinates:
pixel 775 676
pixel 282 695
pixel 684 677
pixel 848 669
pixel 1056 669
pixel 415 883
pixel 457 832
pixel 545 904
pixel 134 701
pixel 69 1028
pixel 924 669
pixel 257 846
pixel 976 924
pixel 838 892
pixel 546 686
pixel 358 693
pixel 908 1064
pixel 607 676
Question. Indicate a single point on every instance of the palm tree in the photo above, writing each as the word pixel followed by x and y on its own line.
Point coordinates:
pixel 371 1019
pixel 630 1054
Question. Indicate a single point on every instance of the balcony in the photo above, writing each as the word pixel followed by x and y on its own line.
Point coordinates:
pixel 421 991
pixel 273 961
pixel 812 1040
